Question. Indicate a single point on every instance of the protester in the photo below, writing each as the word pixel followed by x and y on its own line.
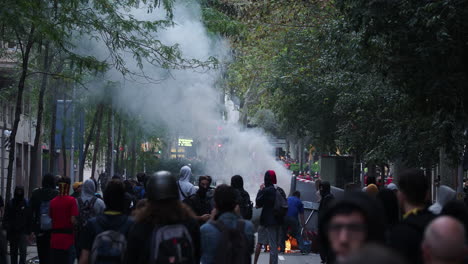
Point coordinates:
pixel 186 189
pixel 139 189
pixel 374 253
pixel 326 199
pixel 17 225
pixel 262 241
pixel 270 218
pixel 392 187
pixel 246 206
pixel 348 224
pixel 294 221
pixel 445 194
pixel 227 236
pixel 130 198
pixel 407 236
pixel 63 212
pixel 164 215
pixel 318 182
pixel 113 224
pixel 389 201
pixel 444 241
pixel 200 202
pixel 41 221
pixel 76 189
pixel 3 248
pixel 89 206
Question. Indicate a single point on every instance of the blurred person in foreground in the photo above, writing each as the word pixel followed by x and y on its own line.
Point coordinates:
pixel 326 198
pixel 350 223
pixel 163 216
pixel 444 242
pixel 389 202
pixel 373 254
pixel 407 235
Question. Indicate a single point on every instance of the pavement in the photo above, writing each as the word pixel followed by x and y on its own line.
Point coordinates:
pixel 291 258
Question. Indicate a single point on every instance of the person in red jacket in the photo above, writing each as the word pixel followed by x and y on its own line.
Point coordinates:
pixel 63 212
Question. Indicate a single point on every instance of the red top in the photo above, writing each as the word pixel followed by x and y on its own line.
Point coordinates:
pixel 62 208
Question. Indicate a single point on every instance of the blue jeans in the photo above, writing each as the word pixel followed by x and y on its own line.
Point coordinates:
pixel 273 232
pixel 292 224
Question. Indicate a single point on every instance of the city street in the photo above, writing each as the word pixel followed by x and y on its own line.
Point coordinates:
pixel 294 258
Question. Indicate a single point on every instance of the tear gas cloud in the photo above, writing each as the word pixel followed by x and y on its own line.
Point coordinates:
pixel 188 102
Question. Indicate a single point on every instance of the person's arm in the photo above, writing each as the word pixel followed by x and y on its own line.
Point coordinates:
pixel 259 201
pixel 84 257
pixel 74 211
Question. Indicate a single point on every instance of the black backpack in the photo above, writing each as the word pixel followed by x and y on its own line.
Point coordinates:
pixel 86 212
pixel 246 206
pixel 233 246
pixel 281 203
pixel 172 244
pixel 109 246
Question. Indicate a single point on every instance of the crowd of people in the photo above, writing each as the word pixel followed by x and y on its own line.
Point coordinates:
pixel 163 218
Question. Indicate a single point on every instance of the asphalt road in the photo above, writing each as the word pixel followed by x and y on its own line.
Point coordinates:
pixel 295 258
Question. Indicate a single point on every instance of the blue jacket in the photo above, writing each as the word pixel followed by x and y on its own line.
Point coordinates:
pixel 210 236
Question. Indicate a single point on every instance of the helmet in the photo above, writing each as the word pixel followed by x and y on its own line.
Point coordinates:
pixel 162 185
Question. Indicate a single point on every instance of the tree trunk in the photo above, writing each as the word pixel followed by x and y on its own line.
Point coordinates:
pixel 53 130
pixel 133 154
pixel 117 155
pixel 88 140
pixel 109 142
pixel 18 110
pixel 40 109
pixel 62 134
pixel 96 145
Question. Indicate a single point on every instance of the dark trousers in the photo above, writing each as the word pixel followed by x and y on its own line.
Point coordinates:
pixel 43 247
pixel 60 256
pixel 18 243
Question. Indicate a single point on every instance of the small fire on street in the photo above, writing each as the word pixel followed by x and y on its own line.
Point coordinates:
pixel 291 245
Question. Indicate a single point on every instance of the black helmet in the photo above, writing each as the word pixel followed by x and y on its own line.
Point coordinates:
pixel 162 185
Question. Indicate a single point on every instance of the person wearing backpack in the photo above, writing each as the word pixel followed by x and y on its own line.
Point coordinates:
pixel 112 226
pixel 227 238
pixel 63 211
pixel 273 201
pixel 89 206
pixel 41 221
pixel 17 224
pixel 246 206
pixel 186 188
pixel 166 230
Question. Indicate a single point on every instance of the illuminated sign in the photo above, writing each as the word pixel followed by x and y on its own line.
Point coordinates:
pixel 184 142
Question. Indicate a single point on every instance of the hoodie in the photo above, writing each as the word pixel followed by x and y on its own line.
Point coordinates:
pixel 88 191
pixel 243 197
pixel 16 219
pixel 186 189
pixel 266 199
pixel 445 194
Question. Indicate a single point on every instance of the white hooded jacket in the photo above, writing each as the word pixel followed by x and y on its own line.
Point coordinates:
pixel 445 194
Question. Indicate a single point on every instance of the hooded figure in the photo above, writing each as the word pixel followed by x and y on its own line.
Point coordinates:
pixel 243 197
pixel 186 189
pixel 88 191
pixel 355 202
pixel 17 224
pixel 445 194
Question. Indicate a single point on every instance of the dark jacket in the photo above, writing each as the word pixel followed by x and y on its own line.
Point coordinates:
pixel 406 237
pixel 200 204
pixel 140 236
pixel 37 197
pixel 17 217
pixel 266 200
pixel 119 222
pixel 243 197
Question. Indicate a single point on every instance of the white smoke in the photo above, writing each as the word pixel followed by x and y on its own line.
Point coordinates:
pixel 189 103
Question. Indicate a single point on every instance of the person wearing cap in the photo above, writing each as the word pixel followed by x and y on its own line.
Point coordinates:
pixel 162 208
pixel 76 189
